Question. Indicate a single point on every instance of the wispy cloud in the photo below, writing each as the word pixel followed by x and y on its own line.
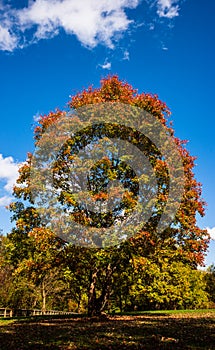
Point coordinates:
pixel 106 65
pixel 8 41
pixel 211 231
pixel 168 8
pixel 126 56
pixel 93 22
pixel 36 117
pixel 5 200
pixel 8 175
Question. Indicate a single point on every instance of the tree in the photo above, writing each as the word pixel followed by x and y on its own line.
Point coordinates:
pixel 162 282
pixel 15 291
pixel 5 274
pixel 102 267
pixel 210 283
pixel 40 263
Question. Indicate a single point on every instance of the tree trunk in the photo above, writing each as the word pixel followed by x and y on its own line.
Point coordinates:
pixel 79 302
pixel 92 293
pixel 97 305
pixel 43 297
pixel 120 301
pixel 35 302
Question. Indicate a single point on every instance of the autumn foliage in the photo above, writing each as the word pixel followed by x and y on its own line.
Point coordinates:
pixel 182 242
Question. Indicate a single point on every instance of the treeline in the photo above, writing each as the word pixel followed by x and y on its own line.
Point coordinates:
pixel 60 277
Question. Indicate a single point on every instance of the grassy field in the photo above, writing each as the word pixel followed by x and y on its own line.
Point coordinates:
pixel 144 330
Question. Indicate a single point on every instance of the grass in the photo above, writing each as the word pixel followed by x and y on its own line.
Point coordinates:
pixel 6 321
pixel 169 312
pixel 182 329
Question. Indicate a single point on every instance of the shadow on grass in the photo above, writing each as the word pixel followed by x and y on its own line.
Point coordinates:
pixel 118 332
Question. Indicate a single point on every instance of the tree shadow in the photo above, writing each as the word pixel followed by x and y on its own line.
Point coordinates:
pixel 119 332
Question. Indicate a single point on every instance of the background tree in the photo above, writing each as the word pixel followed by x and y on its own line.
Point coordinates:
pixel 15 291
pixel 162 282
pixel 210 284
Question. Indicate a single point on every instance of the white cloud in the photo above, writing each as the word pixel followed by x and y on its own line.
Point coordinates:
pixel 91 21
pixel 168 8
pixel 8 175
pixel 126 56
pixel 5 200
pixel 106 65
pixel 211 231
pixel 151 26
pixel 36 117
pixel 8 42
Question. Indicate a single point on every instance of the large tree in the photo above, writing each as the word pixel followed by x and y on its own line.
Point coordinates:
pixel 53 202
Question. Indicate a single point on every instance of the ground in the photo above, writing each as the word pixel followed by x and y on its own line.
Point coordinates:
pixel 161 330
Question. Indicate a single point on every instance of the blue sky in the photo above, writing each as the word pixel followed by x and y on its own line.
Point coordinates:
pixel 52 49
